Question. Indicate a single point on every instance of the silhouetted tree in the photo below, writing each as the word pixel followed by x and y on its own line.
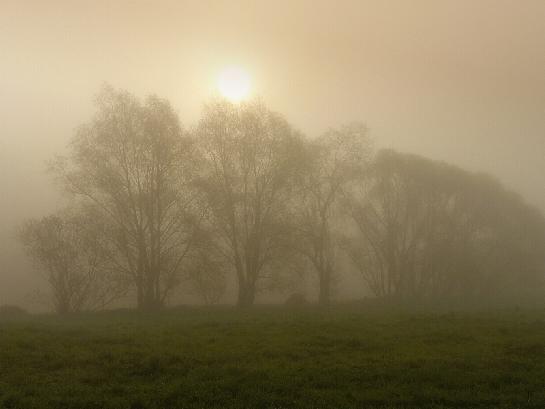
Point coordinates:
pixel 134 163
pixel 67 249
pixel 334 161
pixel 248 196
pixel 250 156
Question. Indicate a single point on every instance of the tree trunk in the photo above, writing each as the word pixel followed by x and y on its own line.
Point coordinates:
pixel 325 289
pixel 246 294
pixel 147 297
pixel 63 308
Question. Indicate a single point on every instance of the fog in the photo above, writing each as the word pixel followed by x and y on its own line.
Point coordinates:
pixel 460 81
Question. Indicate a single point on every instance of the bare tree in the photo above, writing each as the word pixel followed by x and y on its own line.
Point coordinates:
pixel 250 154
pixel 68 249
pixel 333 162
pixel 135 165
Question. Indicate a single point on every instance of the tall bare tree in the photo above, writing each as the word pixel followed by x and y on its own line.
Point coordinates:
pixel 333 162
pixel 135 165
pixel 251 154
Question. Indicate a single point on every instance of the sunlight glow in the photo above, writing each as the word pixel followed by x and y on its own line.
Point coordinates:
pixel 234 84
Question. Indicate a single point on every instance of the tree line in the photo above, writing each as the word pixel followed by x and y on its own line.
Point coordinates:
pixel 244 196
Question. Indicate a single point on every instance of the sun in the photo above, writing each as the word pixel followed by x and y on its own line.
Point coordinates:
pixel 234 84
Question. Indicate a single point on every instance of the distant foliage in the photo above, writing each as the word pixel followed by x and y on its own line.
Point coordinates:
pixel 427 228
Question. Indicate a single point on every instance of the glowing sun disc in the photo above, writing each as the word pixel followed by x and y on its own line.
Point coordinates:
pixel 234 84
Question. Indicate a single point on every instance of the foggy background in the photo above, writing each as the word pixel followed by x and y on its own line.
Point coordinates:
pixel 461 81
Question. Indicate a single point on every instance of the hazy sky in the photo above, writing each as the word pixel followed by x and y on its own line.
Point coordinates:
pixel 462 81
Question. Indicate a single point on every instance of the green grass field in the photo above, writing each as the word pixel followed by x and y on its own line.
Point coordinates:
pixel 274 358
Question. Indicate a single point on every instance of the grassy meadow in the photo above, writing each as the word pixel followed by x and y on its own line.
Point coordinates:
pixel 274 357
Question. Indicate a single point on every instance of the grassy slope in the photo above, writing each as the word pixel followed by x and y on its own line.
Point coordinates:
pixel 274 358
